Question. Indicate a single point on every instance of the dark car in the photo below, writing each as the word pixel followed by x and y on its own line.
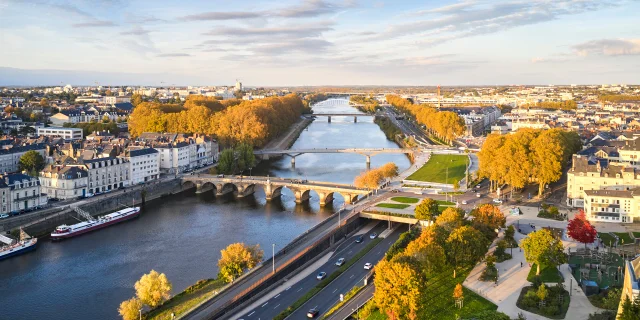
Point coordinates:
pixel 312 313
pixel 359 239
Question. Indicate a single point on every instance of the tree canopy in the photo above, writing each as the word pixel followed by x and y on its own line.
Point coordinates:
pixel 236 258
pixel 427 209
pixel 543 249
pixel 580 229
pixel 153 288
pixel 398 288
pixel 372 179
pixel 32 162
pixel 129 309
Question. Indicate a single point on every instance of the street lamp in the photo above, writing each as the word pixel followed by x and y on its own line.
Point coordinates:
pixel 273 257
pixel 140 313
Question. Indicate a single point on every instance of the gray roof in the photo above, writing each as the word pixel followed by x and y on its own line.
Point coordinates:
pixel 142 152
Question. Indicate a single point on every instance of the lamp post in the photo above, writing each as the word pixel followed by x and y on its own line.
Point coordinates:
pixel 140 313
pixel 273 257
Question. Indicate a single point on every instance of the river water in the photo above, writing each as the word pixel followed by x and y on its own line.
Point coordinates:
pixel 87 277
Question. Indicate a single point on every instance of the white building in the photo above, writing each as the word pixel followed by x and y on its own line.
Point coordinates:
pixel 64 182
pixel 65 133
pixel 22 193
pixel 106 174
pixel 144 165
pixel 174 158
pixel 9 158
pixel 620 206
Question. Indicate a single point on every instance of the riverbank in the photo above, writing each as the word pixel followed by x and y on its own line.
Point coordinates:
pixel 287 139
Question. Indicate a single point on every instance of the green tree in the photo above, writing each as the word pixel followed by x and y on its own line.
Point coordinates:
pixel 542 292
pixel 136 99
pixel 543 249
pixel 129 309
pixel 32 162
pixel 630 309
pixel 226 161
pixel 246 158
pixel 427 209
pixel 153 288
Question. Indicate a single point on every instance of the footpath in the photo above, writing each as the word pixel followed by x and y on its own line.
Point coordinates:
pixel 285 140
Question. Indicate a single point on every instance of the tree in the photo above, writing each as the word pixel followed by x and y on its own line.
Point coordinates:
pixel 44 102
pixel 369 179
pixel 580 229
pixel 397 289
pixel 389 170
pixel 630 309
pixel 458 294
pixel 427 251
pixel 153 288
pixel 487 218
pixel 465 245
pixel 236 258
pixel 246 158
pixel 129 309
pixel 136 99
pixel 27 130
pixel 542 292
pixel 451 218
pixel 226 161
pixel 427 209
pixel 547 156
pixel 542 248
pixel 32 162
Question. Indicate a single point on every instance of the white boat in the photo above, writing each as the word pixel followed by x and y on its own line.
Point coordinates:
pixel 67 231
pixel 13 247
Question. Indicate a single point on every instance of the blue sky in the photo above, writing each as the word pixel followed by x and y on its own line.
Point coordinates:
pixel 319 42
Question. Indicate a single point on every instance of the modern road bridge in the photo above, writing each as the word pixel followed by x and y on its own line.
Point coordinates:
pixel 367 152
pixel 354 115
pixel 243 186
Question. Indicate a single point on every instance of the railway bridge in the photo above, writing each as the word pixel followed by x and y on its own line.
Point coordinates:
pixel 242 186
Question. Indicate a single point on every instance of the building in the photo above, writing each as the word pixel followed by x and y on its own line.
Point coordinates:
pixel 174 157
pixel 10 158
pixel 23 193
pixel 106 174
pixel 144 165
pixel 238 85
pixel 65 133
pixel 631 282
pixel 64 182
pixel 612 205
pixel 586 175
pixel 179 152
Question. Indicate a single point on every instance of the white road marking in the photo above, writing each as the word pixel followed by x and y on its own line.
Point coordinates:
pixel 379 252
pixel 277 296
pixel 287 289
pixel 266 303
pixel 334 291
pixel 352 276
pixel 299 290
pixel 349 251
pixel 252 312
pixel 276 307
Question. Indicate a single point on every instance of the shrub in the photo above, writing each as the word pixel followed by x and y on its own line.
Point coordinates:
pixel 550 310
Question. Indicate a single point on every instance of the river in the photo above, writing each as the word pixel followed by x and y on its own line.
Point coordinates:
pixel 182 235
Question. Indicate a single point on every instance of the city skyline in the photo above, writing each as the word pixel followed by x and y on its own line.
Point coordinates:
pixel 315 42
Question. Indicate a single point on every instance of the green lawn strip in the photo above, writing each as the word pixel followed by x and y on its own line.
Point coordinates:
pixel 445 203
pixel 393 214
pixel 346 299
pixel 326 281
pixel 405 199
pixel 185 300
pixel 624 236
pixel 435 170
pixel 392 205
pixel 606 238
pixel 547 274
pixel 636 235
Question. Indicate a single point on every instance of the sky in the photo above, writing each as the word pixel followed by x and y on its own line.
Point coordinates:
pixel 319 42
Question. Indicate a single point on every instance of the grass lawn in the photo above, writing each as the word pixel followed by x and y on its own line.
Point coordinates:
pixel 445 203
pixel 393 205
pixel 435 170
pixel 624 237
pixel 548 274
pixel 405 199
pixel 186 300
pixel 606 238
pixel 636 235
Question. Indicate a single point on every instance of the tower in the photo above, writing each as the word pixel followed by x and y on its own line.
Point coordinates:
pixel 238 85
pixel 438 97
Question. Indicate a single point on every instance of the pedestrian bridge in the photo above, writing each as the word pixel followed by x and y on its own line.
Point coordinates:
pixel 242 186
pixel 354 115
pixel 293 153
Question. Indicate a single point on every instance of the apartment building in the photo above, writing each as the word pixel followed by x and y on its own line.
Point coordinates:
pixel 21 192
pixel 144 165
pixel 106 174
pixel 174 157
pixel 9 158
pixel 64 182
pixel 65 133
pixel 620 206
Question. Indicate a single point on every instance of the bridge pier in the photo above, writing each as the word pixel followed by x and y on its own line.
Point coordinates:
pixel 293 162
pixel 325 197
pixel 200 188
pixel 245 190
pixel 355 119
pixel 350 198
pixel 302 195
pixel 271 192
pixel 329 117
pixel 368 162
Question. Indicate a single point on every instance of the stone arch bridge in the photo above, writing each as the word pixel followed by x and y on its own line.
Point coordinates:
pixel 242 186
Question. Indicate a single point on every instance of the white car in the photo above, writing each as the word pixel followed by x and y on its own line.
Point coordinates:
pixel 464 201
pixel 373 235
pixel 497 201
pixel 321 275
pixel 4 215
pixel 367 266
pixel 340 262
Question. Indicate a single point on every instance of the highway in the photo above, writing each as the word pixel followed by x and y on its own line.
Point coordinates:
pixel 271 308
pixel 330 295
pixel 406 127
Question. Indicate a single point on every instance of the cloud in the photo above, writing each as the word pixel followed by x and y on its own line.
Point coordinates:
pixel 608 47
pixel 293 30
pixel 238 15
pixel 172 55
pixel 310 8
pixel 135 31
pixel 301 45
pixel 94 24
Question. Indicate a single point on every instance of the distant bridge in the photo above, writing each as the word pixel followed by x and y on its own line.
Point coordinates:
pixel 243 186
pixel 367 152
pixel 354 115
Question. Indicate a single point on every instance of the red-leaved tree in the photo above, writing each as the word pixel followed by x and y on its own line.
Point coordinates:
pixel 581 229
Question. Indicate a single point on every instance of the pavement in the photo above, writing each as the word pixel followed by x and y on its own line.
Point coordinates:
pixel 282 297
pixel 512 273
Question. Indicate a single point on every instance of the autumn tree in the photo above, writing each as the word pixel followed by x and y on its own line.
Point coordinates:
pixel 32 162
pixel 236 258
pixel 547 156
pixel 458 294
pixel 153 288
pixel 543 249
pixel 389 170
pixel 488 158
pixel 129 309
pixel 427 251
pixel 451 218
pixel 136 99
pixel 427 209
pixel 44 102
pixel 465 245
pixel 580 229
pixel 487 218
pixel 397 289
pixel 369 179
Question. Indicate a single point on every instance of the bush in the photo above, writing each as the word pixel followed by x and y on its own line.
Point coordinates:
pixel 550 310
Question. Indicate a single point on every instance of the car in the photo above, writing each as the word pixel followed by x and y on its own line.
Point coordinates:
pixel 121 188
pixel 367 266
pixel 478 186
pixel 313 312
pixel 4 215
pixel 395 190
pixel 478 195
pixel 340 262
pixel 464 201
pixel 88 195
pixel 373 235
pixel 497 201
pixel 321 275
pixel 359 239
